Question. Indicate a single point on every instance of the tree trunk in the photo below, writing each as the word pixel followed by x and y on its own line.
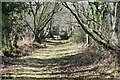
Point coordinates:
pixel 37 39
pixel 87 39
pixel 117 25
pixel 117 30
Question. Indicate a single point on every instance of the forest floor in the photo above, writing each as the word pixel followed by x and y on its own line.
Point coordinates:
pixel 61 59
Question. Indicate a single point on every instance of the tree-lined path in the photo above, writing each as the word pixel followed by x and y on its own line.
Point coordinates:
pixel 60 40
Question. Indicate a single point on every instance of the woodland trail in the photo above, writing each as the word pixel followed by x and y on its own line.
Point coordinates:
pixel 61 59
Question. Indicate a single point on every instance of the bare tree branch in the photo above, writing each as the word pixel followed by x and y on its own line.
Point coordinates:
pixel 100 41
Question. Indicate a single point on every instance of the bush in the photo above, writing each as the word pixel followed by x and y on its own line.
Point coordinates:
pixel 78 36
pixel 64 35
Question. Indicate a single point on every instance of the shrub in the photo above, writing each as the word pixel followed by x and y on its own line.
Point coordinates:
pixel 64 35
pixel 78 36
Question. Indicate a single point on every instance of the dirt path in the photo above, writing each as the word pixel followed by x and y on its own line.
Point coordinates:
pixel 59 60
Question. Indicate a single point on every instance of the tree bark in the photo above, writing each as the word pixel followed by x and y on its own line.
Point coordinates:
pixel 117 30
pixel 117 25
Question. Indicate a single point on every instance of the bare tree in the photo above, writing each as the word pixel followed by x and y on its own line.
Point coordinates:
pixel 103 21
pixel 41 13
pixel 82 21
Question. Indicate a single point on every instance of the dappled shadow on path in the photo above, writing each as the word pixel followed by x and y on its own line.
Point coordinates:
pixel 80 59
pixel 67 65
pixel 56 42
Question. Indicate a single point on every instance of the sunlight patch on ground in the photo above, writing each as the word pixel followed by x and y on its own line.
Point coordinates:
pixel 55 52
pixel 45 62
pixel 31 76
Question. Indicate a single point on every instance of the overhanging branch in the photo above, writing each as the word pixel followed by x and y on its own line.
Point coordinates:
pixel 99 41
